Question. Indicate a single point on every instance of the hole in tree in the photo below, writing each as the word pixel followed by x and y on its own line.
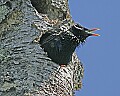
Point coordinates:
pixel 40 5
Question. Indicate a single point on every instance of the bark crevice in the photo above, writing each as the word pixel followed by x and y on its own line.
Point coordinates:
pixel 25 69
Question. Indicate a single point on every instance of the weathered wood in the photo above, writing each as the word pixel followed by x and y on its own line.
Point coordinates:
pixel 25 69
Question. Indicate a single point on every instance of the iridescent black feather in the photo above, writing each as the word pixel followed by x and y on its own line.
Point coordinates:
pixel 60 47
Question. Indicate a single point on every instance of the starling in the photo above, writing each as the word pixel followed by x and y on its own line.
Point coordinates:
pixel 60 47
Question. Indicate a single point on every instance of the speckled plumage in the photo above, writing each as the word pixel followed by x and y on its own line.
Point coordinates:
pixel 60 47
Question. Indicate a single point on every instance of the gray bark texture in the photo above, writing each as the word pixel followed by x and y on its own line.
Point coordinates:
pixel 25 69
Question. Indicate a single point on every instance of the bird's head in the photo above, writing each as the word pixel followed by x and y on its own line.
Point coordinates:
pixel 82 33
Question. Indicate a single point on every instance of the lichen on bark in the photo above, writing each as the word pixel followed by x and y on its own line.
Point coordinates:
pixel 25 69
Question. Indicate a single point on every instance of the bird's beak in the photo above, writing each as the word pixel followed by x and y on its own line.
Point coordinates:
pixel 95 35
pixel 93 30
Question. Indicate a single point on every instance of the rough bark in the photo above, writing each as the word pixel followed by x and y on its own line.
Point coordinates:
pixel 25 69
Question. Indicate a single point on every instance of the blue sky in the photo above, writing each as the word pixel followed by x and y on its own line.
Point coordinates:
pixel 100 55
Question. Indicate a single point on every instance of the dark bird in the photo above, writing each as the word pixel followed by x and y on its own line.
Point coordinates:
pixel 60 47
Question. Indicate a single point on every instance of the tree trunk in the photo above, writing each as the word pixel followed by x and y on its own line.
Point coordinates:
pixel 25 69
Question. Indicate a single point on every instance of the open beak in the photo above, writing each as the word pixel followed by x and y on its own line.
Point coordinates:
pixel 95 35
pixel 93 30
